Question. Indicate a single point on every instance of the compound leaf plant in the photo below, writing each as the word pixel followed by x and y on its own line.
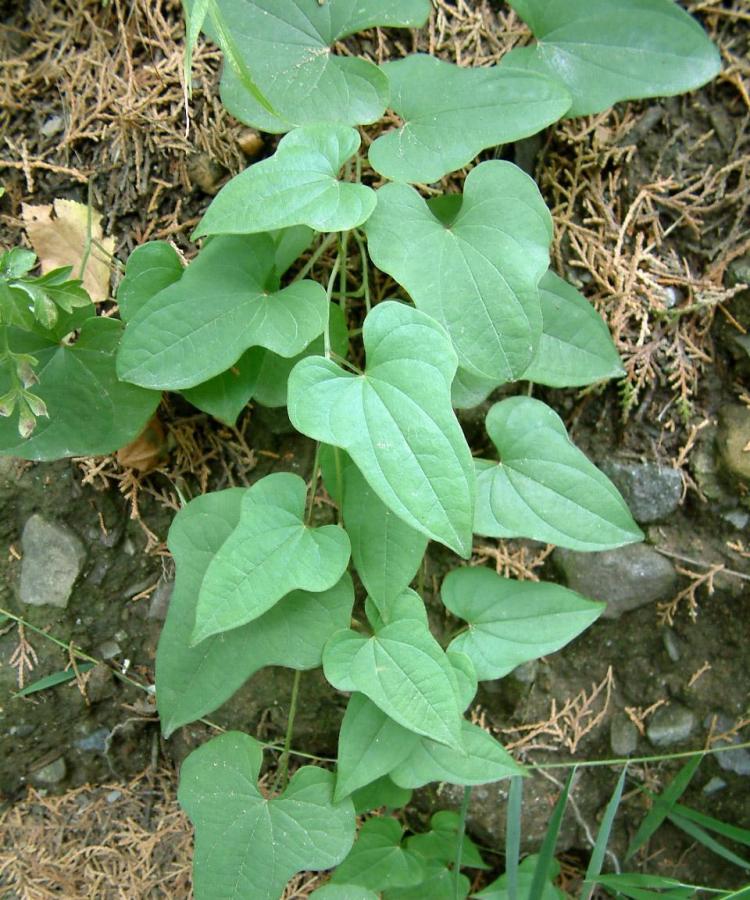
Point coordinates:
pixel 259 582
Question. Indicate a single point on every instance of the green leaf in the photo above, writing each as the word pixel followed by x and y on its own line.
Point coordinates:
pixel 150 268
pixel 385 550
pixel 16 263
pixel 546 864
pixel 43 684
pixel 617 50
pixel 396 422
pixel 296 186
pixel 480 760
pixel 440 842
pixel 343 892
pixel 286 44
pixel 248 845
pixel 193 681
pixel 380 793
pixel 370 745
pixel 544 488
pixel 438 884
pixel 377 859
pixel 630 883
pixel 576 347
pixel 270 387
pixel 225 302
pixel 469 390
pixel 703 837
pixel 270 553
pixel 498 890
pixel 450 114
pixel 90 411
pixel 512 622
pixel 405 673
pixel 663 805
pixel 195 14
pixel 602 838
pixel 478 273
pixel 226 395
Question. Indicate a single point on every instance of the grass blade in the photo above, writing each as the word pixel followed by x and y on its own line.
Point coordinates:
pixel 733 832
pixel 703 837
pixel 663 805
pixel 602 839
pixel 513 835
pixel 52 680
pixel 546 854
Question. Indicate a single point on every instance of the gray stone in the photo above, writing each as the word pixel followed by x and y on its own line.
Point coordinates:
pixel 738 518
pixel 52 561
pixel 670 725
pixel 623 735
pixel 671 644
pixel 51 774
pixel 109 650
pixel 160 601
pixel 624 579
pixel 732 438
pixel 526 672
pixel 652 491
pixel 714 785
pixel 96 742
pixel 737 761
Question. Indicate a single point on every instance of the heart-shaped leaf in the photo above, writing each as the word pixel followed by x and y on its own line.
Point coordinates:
pixel 91 412
pixel 469 390
pixel 405 673
pixel 370 745
pixel 378 861
pixel 544 488
pixel 499 889
pixel 512 622
pixel 296 186
pixel 481 760
pixel 270 553
pixel 286 45
pixel 150 268
pixel 343 892
pixel 225 302
pixel 575 347
pixel 439 842
pixel 396 422
pixel 379 794
pixel 225 396
pixel 193 681
pixel 450 114
pixel 476 271
pixel 247 845
pixel 615 50
pixel 439 883
pixel 385 550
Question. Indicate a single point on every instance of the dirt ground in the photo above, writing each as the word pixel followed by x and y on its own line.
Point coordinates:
pixel 652 214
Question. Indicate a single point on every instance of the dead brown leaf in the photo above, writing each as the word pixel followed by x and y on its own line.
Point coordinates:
pixel 147 450
pixel 62 240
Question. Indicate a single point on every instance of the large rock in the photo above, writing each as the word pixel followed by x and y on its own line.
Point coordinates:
pixel 624 579
pixel 733 440
pixel 52 561
pixel 652 491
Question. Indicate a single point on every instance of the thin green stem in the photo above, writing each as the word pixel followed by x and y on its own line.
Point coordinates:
pixel 460 842
pixel 282 774
pixel 313 485
pixel 343 244
pixel 317 253
pixel 89 229
pixel 627 760
pixel 329 295
pixel 365 269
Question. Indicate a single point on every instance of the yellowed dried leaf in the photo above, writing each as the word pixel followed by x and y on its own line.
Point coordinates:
pixel 61 241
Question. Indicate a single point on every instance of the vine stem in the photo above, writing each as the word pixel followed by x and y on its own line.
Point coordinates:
pixel 317 253
pixel 282 773
pixel 460 842
pixel 329 295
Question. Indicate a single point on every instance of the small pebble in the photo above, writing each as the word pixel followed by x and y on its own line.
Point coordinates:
pixel 251 143
pixel 715 785
pixel 670 725
pixel 52 126
pixel 113 796
pixel 623 736
pixel 671 644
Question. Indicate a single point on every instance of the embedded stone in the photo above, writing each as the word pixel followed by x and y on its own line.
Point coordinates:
pixel 652 491
pixel 733 440
pixel 670 725
pixel 624 579
pixel 52 561
pixel 51 774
